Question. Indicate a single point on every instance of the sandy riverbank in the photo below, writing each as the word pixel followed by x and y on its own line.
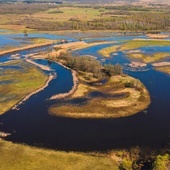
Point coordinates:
pixel 73 89
pixel 158 36
pixel 35 92
pixel 46 68
pixel 160 64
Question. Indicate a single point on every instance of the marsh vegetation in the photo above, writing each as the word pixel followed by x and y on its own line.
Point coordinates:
pixel 120 96
pixel 17 80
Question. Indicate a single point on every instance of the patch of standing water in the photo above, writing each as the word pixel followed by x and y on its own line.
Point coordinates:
pixel 20 39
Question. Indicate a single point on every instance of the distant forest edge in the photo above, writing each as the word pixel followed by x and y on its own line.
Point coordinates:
pixel 81 1
pixel 136 22
pixel 56 16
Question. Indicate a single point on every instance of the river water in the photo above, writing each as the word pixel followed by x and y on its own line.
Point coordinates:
pixel 34 126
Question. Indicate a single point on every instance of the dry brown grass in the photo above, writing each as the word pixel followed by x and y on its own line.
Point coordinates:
pixel 164 69
pixel 120 101
pixel 149 58
pixel 22 157
pixel 108 50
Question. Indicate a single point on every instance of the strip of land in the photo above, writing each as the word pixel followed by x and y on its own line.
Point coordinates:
pixel 158 36
pixel 17 83
pixel 39 65
pixel 133 45
pixel 164 69
pixel 73 89
pixel 35 92
pixel 14 49
pixel 149 58
pixel 108 50
pixel 63 49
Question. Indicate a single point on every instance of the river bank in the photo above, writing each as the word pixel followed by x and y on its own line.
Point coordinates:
pixel 23 80
pixel 73 89
pixel 25 48
pixel 40 158
pixel 46 68
pixel 35 92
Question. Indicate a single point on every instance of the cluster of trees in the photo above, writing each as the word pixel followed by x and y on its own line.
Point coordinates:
pixel 133 22
pixel 89 64
pixel 113 69
pixel 84 63
pixel 24 8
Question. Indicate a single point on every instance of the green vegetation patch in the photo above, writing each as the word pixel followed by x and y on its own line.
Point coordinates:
pixel 137 54
pixel 138 43
pixel 16 83
pixel 17 156
pixel 149 58
pixel 108 50
pixel 121 96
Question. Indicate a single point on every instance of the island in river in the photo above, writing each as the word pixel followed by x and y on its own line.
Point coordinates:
pixel 120 96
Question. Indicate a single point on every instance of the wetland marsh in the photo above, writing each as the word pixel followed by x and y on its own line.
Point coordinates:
pixel 69 134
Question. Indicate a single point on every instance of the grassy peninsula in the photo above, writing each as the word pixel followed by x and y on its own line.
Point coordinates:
pixel 149 58
pixel 34 43
pixel 18 82
pixel 120 96
pixel 132 45
pixel 108 50
pixel 138 43
pixel 164 69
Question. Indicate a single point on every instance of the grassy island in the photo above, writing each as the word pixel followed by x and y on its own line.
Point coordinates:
pixel 138 43
pixel 108 50
pixel 149 58
pixel 135 44
pixel 120 96
pixel 17 80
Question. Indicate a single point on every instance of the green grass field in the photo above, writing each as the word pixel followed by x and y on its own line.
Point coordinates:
pixel 149 58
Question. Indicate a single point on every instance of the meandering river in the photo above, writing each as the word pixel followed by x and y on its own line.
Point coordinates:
pixel 34 126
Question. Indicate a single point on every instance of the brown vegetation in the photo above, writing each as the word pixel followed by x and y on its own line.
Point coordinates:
pixel 120 96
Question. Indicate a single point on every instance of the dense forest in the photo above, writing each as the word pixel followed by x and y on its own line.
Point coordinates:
pixel 133 22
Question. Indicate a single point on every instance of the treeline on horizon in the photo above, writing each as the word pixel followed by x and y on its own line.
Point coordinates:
pixel 133 22
pixel 125 18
